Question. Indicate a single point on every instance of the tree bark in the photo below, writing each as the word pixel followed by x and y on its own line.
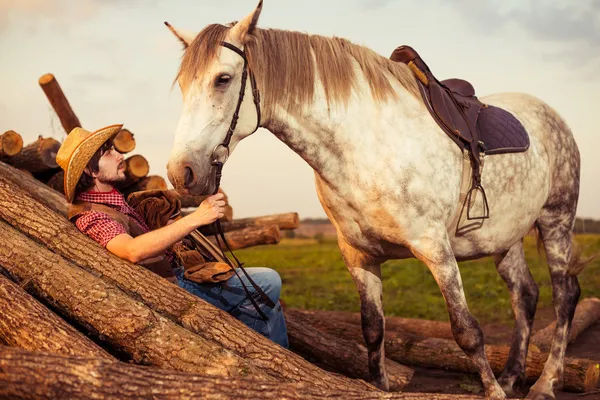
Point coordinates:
pixel 124 141
pixel 11 144
pixel 59 102
pixel 36 375
pixel 40 192
pixel 63 238
pixel 27 324
pixel 579 374
pixel 413 326
pixel 587 314
pixel 146 183
pixel 252 236
pixel 283 221
pixel 345 356
pixel 109 314
pixel 39 156
pixel 136 168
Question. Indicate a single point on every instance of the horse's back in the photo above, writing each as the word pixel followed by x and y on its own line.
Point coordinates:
pixel 519 185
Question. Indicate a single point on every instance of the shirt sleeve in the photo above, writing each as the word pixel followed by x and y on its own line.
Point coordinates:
pixel 99 226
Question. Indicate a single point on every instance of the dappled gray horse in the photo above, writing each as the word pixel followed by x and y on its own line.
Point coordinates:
pixel 389 179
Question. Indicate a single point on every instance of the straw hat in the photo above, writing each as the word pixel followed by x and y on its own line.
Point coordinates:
pixel 77 150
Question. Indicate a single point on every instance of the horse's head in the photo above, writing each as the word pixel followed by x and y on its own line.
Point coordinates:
pixel 210 78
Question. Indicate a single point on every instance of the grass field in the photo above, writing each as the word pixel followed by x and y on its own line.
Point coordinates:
pixel 315 277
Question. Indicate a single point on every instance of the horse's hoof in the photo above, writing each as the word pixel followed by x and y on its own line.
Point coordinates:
pixel 535 395
pixel 382 383
pixel 512 393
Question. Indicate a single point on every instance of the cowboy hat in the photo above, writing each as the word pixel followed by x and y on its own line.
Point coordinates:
pixel 77 150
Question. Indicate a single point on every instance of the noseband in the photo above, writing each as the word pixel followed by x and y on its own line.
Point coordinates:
pixel 218 161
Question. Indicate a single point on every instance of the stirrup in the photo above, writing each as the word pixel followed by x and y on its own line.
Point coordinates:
pixel 486 208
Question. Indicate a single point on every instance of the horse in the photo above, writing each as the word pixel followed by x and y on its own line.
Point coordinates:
pixel 387 176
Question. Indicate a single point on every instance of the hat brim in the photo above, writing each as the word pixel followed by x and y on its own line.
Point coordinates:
pixel 82 155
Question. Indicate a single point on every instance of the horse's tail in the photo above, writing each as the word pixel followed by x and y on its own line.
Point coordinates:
pixel 577 262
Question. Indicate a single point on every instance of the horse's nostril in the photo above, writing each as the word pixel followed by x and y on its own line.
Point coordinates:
pixel 188 177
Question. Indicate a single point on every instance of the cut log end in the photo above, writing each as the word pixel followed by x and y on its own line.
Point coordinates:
pixel 48 149
pixel 592 376
pixel 124 142
pixel 11 144
pixel 45 79
pixel 137 166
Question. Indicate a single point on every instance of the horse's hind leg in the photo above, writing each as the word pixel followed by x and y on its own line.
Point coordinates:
pixel 366 274
pixel 524 296
pixel 437 254
pixel 555 231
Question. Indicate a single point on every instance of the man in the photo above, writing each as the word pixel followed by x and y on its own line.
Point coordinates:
pixel 92 168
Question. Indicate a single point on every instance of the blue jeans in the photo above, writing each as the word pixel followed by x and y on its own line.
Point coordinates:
pixel 230 296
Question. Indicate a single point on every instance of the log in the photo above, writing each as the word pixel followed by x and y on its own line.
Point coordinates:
pixel 580 375
pixel 345 356
pixel 124 141
pixel 413 326
pixel 283 221
pixel 38 156
pixel 36 375
pixel 587 313
pixel 57 182
pixel 147 183
pixel 34 188
pixel 251 236
pixel 62 237
pixel 27 324
pixel 136 168
pixel 110 315
pixel 59 102
pixel 11 144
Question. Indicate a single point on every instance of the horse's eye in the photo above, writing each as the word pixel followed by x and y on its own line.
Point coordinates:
pixel 223 80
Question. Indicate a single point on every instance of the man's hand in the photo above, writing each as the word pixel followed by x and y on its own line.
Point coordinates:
pixel 210 210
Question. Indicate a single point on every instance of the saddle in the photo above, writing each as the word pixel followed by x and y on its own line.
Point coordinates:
pixel 478 128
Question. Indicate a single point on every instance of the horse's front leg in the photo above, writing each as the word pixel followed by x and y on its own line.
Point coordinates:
pixel 366 273
pixel 435 251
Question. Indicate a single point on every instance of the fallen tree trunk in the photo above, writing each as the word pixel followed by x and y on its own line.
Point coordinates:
pixel 124 141
pixel 413 326
pixel 147 183
pixel 36 375
pixel 38 156
pixel 136 168
pixel 587 314
pixel 27 324
pixel 344 356
pixel 109 314
pixel 283 221
pixel 580 375
pixel 252 236
pixel 11 144
pixel 59 102
pixel 63 238
pixel 40 192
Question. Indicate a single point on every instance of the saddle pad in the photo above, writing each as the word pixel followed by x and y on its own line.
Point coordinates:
pixel 501 132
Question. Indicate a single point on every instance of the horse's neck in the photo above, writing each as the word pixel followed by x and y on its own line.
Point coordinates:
pixel 328 138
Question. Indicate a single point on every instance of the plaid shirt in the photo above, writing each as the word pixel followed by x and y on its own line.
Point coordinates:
pixel 101 227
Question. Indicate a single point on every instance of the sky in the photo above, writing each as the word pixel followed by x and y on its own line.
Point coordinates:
pixel 116 61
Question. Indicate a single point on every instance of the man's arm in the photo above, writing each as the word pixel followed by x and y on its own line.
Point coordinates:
pixel 154 243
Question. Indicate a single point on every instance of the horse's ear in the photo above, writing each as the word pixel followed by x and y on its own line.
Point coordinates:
pixel 245 27
pixel 184 37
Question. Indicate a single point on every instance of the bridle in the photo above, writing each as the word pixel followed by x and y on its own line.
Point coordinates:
pixel 219 160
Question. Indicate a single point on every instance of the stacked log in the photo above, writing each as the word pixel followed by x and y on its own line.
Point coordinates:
pixel 136 168
pixel 11 144
pixel 38 156
pixel 124 141
pixel 59 102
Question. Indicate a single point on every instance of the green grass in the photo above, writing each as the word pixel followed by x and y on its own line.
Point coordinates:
pixel 315 277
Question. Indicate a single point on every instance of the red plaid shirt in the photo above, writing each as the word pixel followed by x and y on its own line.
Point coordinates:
pixel 101 227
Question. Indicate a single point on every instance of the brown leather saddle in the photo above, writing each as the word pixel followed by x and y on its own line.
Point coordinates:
pixel 479 128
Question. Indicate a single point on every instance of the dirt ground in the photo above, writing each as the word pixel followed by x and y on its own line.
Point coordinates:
pixel 436 381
